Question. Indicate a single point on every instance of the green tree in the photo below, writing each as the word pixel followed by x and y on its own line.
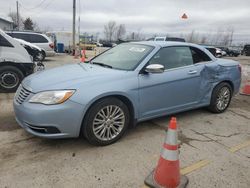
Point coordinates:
pixel 28 24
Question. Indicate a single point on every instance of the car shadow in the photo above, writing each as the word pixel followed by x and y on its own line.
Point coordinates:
pixel 141 128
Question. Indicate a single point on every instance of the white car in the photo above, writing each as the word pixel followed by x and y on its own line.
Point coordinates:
pixel 38 39
pixel 98 44
pixel 15 63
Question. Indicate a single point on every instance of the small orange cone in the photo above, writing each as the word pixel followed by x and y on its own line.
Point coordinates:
pixel 167 172
pixel 246 89
pixel 82 56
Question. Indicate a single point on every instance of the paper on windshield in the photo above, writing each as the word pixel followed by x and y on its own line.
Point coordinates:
pixel 137 49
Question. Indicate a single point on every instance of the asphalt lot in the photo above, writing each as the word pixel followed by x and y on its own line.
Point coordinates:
pixel 215 149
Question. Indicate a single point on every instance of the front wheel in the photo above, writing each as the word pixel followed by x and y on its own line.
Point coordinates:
pixel 40 56
pixel 106 121
pixel 10 78
pixel 221 98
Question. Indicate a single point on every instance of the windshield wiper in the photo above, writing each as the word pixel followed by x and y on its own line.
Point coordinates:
pixel 102 64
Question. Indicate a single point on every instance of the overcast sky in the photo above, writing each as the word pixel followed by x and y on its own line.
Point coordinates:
pixel 146 16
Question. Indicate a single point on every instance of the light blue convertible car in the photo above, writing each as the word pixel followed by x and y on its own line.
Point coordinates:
pixel 129 83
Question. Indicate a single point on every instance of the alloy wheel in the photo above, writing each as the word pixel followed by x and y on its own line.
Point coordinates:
pixel 223 98
pixel 108 122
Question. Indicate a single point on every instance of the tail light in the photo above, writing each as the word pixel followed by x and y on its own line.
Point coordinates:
pixel 51 45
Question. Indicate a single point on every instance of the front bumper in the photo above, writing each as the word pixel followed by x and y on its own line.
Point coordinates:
pixel 50 121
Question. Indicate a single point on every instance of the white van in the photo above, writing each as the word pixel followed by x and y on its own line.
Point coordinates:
pixel 15 63
pixel 40 40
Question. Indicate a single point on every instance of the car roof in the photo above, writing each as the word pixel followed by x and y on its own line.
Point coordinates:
pixel 166 43
pixel 161 44
pixel 25 32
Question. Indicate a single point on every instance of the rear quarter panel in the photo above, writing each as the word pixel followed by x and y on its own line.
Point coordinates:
pixel 230 71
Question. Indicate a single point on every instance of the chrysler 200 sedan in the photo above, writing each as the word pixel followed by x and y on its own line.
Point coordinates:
pixel 129 83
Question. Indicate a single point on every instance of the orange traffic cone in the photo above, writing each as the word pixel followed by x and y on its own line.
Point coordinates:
pixel 167 172
pixel 246 88
pixel 82 56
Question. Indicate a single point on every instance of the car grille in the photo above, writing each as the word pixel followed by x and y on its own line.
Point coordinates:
pixel 21 94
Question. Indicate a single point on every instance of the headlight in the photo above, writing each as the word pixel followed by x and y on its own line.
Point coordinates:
pixel 52 97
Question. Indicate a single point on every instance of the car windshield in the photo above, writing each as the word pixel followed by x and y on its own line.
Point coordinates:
pixel 125 56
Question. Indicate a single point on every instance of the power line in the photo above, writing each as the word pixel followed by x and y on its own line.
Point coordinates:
pixel 38 11
pixel 35 7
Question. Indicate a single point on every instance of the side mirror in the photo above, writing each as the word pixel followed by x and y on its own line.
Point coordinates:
pixel 155 68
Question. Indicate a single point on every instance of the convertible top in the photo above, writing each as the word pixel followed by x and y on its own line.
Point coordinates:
pixel 161 44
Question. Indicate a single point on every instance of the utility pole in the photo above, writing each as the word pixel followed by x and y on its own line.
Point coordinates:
pixel 17 15
pixel 74 26
pixel 79 21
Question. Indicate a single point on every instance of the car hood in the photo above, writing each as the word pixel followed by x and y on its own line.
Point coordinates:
pixel 70 77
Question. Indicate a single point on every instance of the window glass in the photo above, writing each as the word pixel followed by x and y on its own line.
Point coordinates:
pixel 21 36
pixel 4 42
pixel 173 57
pixel 37 38
pixel 199 56
pixel 32 38
pixel 123 56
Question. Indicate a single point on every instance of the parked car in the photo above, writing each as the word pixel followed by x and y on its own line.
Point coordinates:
pixel 220 52
pixel 32 49
pixel 15 63
pixel 246 50
pixel 98 44
pixel 169 39
pixel 213 50
pixel 230 51
pixel 108 44
pixel 38 39
pixel 129 83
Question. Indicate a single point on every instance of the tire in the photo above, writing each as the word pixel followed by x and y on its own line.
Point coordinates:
pixel 93 119
pixel 10 78
pixel 219 102
pixel 41 56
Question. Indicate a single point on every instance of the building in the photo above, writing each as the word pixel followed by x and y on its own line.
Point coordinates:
pixel 6 24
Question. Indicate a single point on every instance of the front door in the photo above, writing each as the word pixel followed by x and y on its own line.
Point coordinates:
pixel 176 89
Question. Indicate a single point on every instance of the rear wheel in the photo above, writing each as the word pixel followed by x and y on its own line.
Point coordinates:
pixel 10 78
pixel 106 121
pixel 221 98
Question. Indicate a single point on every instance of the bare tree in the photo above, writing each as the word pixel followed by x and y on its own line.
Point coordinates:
pixel 138 35
pixel 223 37
pixel 193 37
pixel 231 35
pixel 36 27
pixel 204 39
pixel 13 17
pixel 109 30
pixel 121 31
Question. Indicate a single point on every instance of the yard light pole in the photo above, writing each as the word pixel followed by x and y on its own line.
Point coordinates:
pixel 17 15
pixel 74 26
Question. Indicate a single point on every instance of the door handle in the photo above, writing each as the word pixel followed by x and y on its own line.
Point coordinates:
pixel 192 72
